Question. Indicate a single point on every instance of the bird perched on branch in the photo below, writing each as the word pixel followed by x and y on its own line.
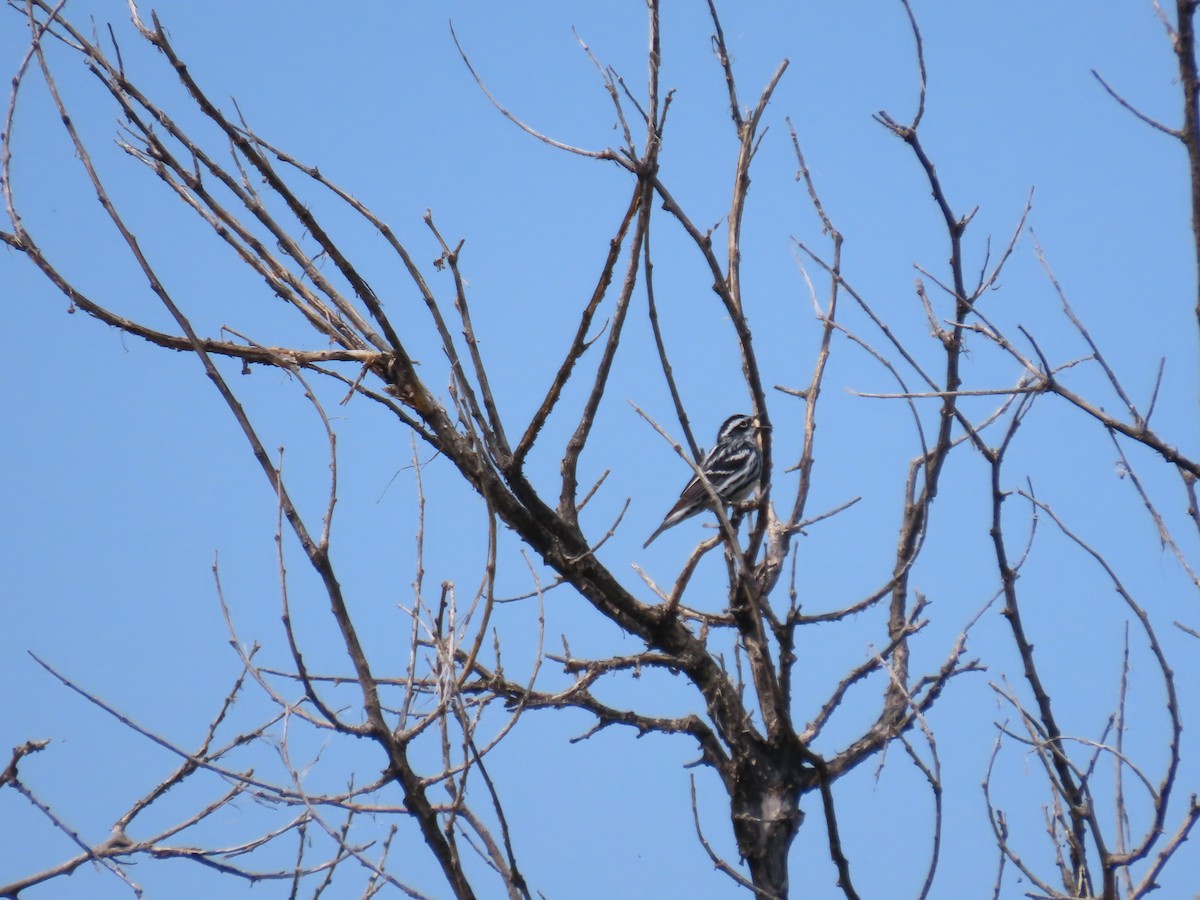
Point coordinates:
pixel 732 468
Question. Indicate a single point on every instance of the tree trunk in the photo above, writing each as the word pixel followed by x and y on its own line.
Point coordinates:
pixel 766 817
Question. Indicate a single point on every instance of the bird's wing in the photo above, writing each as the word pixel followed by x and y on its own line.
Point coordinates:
pixel 692 492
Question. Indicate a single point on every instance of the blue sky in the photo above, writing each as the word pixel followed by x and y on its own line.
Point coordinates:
pixel 125 476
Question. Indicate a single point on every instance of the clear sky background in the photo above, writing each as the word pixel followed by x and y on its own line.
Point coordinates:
pixel 124 476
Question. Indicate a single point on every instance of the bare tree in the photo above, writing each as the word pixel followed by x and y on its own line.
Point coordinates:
pixel 433 714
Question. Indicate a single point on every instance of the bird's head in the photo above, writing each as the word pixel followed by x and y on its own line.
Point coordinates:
pixel 740 427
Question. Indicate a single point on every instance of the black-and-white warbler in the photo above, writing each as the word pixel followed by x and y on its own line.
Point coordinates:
pixel 732 467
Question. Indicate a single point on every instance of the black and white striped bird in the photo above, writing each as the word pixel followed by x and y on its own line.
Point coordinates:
pixel 732 467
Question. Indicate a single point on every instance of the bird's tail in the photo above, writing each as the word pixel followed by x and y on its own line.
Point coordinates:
pixel 657 531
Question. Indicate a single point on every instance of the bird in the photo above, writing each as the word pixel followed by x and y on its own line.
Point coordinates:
pixel 732 468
